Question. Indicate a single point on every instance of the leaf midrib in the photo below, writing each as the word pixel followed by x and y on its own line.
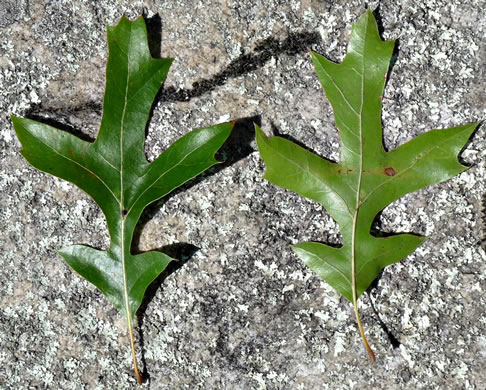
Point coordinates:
pixel 360 176
pixel 122 190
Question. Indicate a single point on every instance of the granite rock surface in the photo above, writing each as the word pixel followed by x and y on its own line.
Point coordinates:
pixel 239 310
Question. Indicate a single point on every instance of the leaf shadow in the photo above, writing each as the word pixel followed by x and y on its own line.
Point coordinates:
pixel 394 341
pixel 377 230
pixel 245 63
pixel 33 113
pixel 466 145
pixel 293 44
pixel 396 48
pixel 271 47
pixel 181 252
pixel 154 33
pixel 277 133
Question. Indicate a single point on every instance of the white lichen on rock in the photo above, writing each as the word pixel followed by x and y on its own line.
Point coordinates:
pixel 243 312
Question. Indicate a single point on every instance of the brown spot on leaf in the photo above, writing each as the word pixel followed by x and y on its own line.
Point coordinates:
pixel 347 170
pixel 390 171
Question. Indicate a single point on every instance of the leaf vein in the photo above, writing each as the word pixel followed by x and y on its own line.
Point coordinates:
pixel 318 179
pixel 340 91
pixel 83 167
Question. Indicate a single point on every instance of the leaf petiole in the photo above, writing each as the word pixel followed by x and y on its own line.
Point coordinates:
pixel 371 354
pixel 134 354
pixel 353 276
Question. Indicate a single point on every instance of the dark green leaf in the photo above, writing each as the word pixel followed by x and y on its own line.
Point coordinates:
pixel 367 178
pixel 114 171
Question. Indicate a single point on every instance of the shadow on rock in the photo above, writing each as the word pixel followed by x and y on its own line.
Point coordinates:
pixel 391 337
pixel 181 253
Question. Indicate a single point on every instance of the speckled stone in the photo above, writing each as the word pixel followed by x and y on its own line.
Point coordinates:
pixel 239 310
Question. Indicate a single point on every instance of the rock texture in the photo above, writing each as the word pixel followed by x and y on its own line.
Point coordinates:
pixel 239 310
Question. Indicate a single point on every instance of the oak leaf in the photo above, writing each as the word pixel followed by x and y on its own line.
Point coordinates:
pixel 114 171
pixel 368 178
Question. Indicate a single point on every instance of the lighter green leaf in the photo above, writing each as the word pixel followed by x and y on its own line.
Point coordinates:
pixel 368 178
pixel 114 171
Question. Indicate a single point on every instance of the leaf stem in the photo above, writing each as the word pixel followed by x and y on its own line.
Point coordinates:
pixel 127 305
pixel 353 285
pixel 353 282
pixel 128 314
pixel 134 354
pixel 360 326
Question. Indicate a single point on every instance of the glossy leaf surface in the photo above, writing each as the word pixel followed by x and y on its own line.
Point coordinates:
pixel 367 178
pixel 114 171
